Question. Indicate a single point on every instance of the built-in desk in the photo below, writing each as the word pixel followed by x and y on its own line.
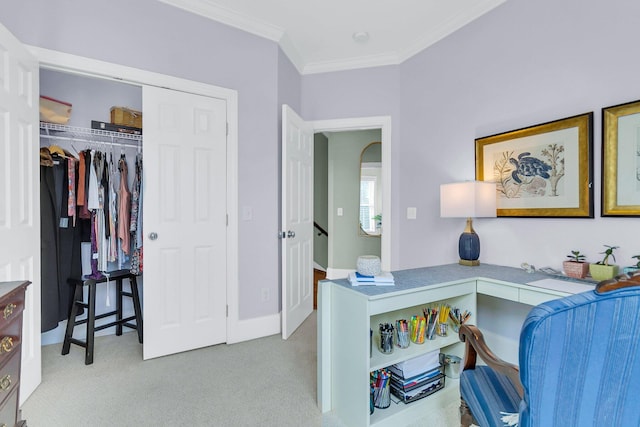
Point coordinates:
pixel 346 313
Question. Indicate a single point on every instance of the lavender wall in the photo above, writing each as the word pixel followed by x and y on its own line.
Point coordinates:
pixel 522 64
pixel 150 35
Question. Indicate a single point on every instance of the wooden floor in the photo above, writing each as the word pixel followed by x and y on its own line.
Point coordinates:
pixel 317 276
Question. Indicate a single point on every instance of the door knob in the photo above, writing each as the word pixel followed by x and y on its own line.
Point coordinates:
pixel 153 236
pixel 291 234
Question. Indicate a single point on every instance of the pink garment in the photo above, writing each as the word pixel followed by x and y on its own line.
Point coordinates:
pixel 124 206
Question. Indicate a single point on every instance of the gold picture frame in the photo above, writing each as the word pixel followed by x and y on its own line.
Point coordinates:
pixel 543 170
pixel 621 160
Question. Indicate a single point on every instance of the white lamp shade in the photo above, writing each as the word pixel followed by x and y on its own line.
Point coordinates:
pixel 470 199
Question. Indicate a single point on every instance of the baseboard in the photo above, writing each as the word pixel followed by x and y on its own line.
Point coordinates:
pixel 249 329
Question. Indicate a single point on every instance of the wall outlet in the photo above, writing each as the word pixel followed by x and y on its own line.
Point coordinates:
pixel 266 294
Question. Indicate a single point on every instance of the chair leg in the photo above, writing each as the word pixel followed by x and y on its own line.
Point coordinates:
pixel 137 308
pixel 466 417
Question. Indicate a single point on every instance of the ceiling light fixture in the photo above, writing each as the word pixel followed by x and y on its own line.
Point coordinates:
pixel 360 36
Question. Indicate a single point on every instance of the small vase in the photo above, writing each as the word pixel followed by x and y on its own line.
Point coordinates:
pixel 575 269
pixel 600 272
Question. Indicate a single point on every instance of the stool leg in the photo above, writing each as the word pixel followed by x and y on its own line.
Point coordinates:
pixel 71 322
pixel 119 307
pixel 136 306
pixel 91 322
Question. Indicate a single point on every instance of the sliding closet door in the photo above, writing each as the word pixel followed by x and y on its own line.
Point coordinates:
pixel 19 190
pixel 184 221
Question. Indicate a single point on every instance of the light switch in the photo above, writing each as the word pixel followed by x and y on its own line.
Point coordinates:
pixel 412 213
pixel 339 213
pixel 247 213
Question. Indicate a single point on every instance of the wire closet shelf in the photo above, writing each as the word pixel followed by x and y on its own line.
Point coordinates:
pixel 90 136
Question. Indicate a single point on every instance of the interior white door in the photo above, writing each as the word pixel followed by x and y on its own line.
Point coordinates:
pixel 185 277
pixel 19 193
pixel 297 220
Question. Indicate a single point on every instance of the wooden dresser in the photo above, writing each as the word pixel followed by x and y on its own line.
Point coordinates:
pixel 11 308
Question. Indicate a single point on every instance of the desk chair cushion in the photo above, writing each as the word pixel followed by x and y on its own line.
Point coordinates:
pixel 580 361
pixel 488 393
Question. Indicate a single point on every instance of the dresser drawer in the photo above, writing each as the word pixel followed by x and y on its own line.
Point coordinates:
pixel 11 307
pixel 9 410
pixel 10 339
pixel 9 376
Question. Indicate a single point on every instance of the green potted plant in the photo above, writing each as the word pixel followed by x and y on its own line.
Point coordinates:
pixel 602 270
pixel 576 266
pixel 633 268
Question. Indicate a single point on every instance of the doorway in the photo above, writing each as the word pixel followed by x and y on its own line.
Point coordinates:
pixel 338 202
pixel 383 125
pixel 297 226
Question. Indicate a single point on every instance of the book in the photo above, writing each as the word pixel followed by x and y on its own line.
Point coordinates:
pixel 95 124
pixel 383 279
pixel 429 387
pixel 415 382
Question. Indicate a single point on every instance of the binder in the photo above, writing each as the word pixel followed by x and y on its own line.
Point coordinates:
pixel 417 381
pixel 417 393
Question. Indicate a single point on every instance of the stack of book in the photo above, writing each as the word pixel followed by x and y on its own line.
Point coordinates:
pixel 383 279
pixel 418 377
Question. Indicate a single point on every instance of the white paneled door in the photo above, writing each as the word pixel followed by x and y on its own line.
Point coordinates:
pixel 297 221
pixel 185 275
pixel 19 192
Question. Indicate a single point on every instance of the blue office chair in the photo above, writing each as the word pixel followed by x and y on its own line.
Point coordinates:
pixel 579 362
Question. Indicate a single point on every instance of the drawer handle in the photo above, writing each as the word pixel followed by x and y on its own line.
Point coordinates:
pixel 5 382
pixel 6 345
pixel 8 310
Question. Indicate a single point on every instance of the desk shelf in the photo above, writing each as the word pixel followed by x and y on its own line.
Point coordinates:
pixel 352 315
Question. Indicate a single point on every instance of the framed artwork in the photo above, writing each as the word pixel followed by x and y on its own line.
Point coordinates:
pixel 621 160
pixel 541 171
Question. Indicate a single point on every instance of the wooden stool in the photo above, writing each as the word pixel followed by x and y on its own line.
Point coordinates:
pixel 78 303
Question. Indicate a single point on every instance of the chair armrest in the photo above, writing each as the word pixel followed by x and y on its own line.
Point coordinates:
pixel 475 345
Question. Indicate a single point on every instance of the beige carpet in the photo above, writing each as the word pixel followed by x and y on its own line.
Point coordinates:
pixel 264 382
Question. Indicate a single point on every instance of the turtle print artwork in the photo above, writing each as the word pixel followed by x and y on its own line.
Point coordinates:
pixel 544 170
pixel 530 175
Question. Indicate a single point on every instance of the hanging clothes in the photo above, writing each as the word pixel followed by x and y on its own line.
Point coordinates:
pixel 60 238
pixel 113 212
pixel 136 219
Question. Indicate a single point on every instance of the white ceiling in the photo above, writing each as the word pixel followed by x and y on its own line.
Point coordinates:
pixel 316 35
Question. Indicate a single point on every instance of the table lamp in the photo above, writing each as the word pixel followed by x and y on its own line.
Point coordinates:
pixel 470 199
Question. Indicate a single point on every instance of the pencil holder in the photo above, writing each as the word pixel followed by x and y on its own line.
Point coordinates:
pixel 381 391
pixel 442 329
pixel 418 326
pixel 386 339
pixel 402 329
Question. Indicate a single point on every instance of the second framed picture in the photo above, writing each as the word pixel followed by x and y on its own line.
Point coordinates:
pixel 543 170
pixel 621 160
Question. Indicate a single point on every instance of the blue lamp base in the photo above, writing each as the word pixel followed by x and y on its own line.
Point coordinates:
pixel 469 246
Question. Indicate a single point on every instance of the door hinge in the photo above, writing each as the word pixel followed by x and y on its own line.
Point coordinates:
pixel 227 315
pixel 227 219
pixel 227 128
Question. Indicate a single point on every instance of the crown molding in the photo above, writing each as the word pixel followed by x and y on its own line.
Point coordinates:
pixel 378 60
pixel 448 27
pixel 229 17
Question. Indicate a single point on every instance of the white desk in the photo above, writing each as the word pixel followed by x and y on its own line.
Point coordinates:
pixel 346 313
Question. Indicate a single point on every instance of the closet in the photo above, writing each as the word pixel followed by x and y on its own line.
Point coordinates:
pixel 90 197
pixel 186 192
